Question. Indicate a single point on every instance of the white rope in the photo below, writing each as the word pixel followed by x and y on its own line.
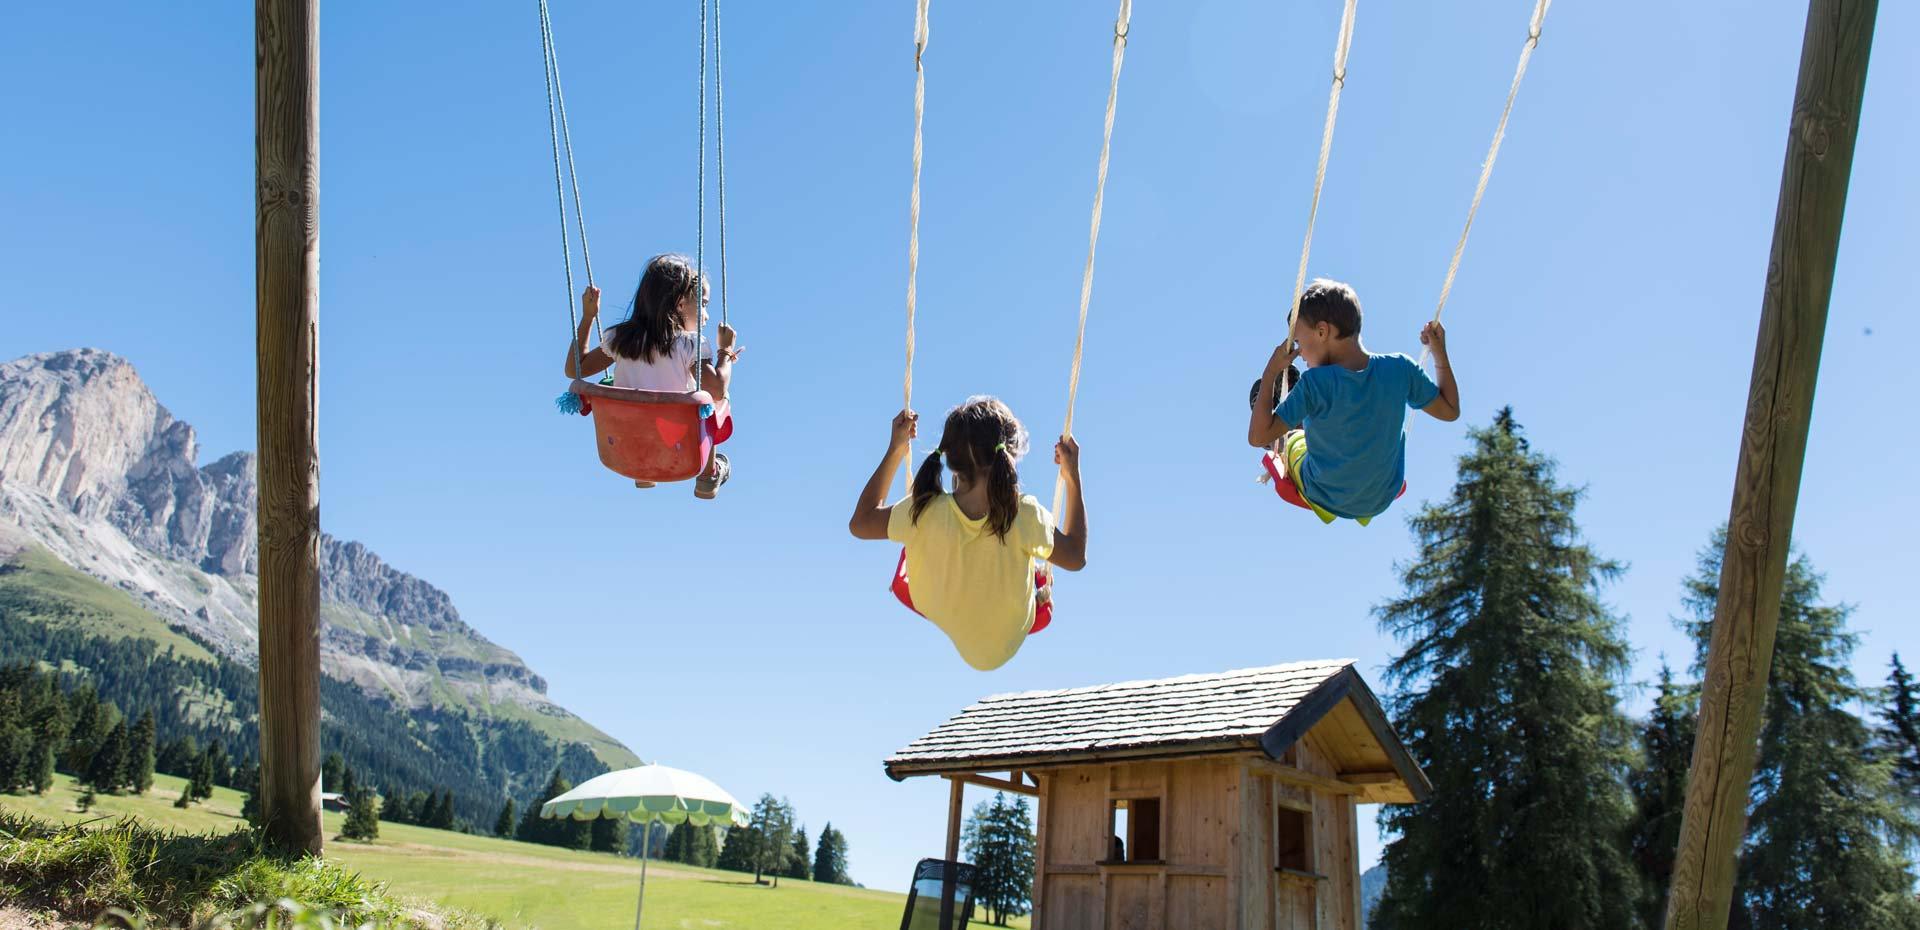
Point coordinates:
pixel 920 32
pixel 551 66
pixel 1319 180
pixel 1122 24
pixel 1486 170
pixel 719 153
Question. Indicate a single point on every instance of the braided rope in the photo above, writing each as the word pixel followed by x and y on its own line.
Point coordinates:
pixel 1122 25
pixel 573 174
pixel 720 154
pixel 1493 152
pixel 920 34
pixel 700 226
pixel 559 187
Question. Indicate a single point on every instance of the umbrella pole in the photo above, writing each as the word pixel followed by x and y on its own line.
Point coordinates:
pixel 646 842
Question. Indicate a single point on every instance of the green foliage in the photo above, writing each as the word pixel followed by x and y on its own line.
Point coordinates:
pixel 799 863
pixel 140 755
pixel 691 845
pixel 503 825
pixel 999 839
pixel 330 769
pixel 1506 695
pixel 1898 738
pixel 144 876
pixel 108 767
pixel 1659 786
pixel 772 823
pixel 740 850
pixel 830 858
pixel 1824 814
pixel 605 834
pixel 363 816
pixel 567 834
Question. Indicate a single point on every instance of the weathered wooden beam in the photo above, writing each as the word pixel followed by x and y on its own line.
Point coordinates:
pixel 955 799
pixel 1786 363
pixel 1296 776
pixel 1001 784
pixel 287 315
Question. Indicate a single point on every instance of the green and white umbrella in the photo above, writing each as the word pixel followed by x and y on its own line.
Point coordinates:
pixel 646 795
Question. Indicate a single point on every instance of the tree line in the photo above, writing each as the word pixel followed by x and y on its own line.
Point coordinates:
pixel 1552 807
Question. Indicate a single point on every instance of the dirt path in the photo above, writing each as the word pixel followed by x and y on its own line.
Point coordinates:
pixel 13 918
pixel 629 867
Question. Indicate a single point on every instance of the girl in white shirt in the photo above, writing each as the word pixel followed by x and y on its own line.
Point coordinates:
pixel 656 348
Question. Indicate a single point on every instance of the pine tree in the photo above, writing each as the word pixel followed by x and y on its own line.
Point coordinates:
pixel 443 811
pixel 1823 812
pixel 330 768
pixel 201 785
pixel 999 840
pixel 420 808
pixel 680 843
pixel 250 805
pixel 773 820
pixel 607 834
pixel 222 766
pixel 800 858
pixel 830 857
pixel 393 806
pixel 179 757
pixel 140 756
pixel 1659 786
pixel 1506 695
pixel 346 784
pixel 90 722
pixel 738 853
pixel 706 847
pixel 363 821
pixel 503 825
pixel 1899 734
pixel 50 728
pixel 109 763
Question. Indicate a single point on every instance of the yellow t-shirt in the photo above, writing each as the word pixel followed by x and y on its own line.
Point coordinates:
pixel 975 587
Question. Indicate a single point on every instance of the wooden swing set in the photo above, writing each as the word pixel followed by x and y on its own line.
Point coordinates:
pixel 1799 282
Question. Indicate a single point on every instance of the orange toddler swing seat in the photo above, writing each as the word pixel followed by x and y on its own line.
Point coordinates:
pixel 654 435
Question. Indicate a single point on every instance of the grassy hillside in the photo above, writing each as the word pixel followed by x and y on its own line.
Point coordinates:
pixel 525 885
pixel 34 585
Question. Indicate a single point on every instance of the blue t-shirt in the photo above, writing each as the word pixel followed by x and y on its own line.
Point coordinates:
pixel 1356 431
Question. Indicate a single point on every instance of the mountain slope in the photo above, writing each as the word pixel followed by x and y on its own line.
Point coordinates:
pixel 98 481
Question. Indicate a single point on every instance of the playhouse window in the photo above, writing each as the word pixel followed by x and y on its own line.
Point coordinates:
pixel 1133 825
pixel 1293 839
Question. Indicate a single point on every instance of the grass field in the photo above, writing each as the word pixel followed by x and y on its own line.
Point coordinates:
pixel 524 885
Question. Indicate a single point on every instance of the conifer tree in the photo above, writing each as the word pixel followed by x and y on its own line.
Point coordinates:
pixel 363 820
pixel 607 834
pixel 503 825
pixel 394 809
pixel 201 785
pixel 220 771
pixel 109 763
pixel 799 861
pixel 1824 815
pixel 443 817
pixel 999 840
pixel 249 805
pixel 737 853
pixel 140 756
pixel 773 820
pixel 679 843
pixel 1899 733
pixel 830 857
pixel 1506 695
pixel 706 847
pixel 90 722
pixel 49 734
pixel 330 768
pixel 1659 786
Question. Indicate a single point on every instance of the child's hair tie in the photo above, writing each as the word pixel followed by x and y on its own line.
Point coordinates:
pixel 1000 448
pixel 939 452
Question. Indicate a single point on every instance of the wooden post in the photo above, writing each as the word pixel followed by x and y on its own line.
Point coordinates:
pixel 1793 318
pixel 955 800
pixel 287 315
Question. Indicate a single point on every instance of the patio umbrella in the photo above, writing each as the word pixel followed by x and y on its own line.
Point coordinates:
pixel 646 795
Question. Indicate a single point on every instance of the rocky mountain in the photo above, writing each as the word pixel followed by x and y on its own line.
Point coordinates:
pixel 96 472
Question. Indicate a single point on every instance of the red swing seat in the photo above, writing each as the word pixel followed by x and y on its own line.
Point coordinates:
pixel 1288 491
pixel 653 435
pixel 1042 614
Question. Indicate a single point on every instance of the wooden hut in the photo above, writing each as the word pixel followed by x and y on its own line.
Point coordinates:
pixel 1204 802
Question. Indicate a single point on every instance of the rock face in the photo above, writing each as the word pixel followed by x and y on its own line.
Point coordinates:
pixel 95 470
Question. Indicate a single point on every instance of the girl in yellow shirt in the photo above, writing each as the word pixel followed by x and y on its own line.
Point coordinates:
pixel 969 552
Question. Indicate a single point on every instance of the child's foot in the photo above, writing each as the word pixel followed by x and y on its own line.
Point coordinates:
pixel 709 484
pixel 642 484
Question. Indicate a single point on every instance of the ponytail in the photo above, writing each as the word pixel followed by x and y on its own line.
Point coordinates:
pixel 1003 492
pixel 926 484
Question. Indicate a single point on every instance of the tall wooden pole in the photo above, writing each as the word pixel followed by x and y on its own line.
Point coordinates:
pixel 287 319
pixel 955 797
pixel 1793 321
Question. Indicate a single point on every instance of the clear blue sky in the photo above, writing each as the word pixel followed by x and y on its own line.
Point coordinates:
pixel 1610 294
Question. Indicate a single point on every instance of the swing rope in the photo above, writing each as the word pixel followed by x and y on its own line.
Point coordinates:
pixel 1340 49
pixel 720 153
pixel 700 207
pixel 1122 25
pixel 920 33
pixel 560 134
pixel 1486 168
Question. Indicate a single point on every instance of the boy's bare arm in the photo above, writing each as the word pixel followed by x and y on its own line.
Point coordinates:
pixel 1264 427
pixel 1445 406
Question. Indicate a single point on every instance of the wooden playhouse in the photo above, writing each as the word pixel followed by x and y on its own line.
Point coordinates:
pixel 1204 802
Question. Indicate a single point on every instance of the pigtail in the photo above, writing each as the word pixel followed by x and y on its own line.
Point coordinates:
pixel 1003 492
pixel 927 484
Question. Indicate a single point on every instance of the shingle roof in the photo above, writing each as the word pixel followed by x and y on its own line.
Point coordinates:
pixel 1197 712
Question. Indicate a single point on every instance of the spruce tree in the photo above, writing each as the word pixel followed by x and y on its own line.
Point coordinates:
pixel 220 766
pixel 90 723
pixel 503 825
pixel 829 858
pixel 799 860
pixel 109 764
pixel 1899 734
pixel 607 834
pixel 1659 786
pixel 250 804
pixel 1824 814
pixel 999 840
pixel 737 852
pixel 1506 695
pixel 363 820
pixel 443 818
pixel 330 769
pixel 50 728
pixel 679 843
pixel 706 847
pixel 140 756
pixel 201 785
pixel 393 806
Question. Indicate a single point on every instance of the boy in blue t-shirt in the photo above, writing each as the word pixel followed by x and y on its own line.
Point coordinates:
pixel 1347 454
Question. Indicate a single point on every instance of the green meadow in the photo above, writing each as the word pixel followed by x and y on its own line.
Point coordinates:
pixel 521 884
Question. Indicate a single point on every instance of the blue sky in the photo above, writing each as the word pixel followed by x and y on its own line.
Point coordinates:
pixel 1610 294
